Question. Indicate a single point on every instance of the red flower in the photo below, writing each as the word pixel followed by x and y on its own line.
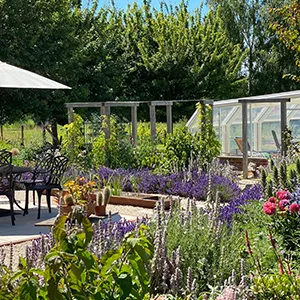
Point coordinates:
pixel 281 195
pixel 269 208
pixel 283 204
pixel 272 199
pixel 294 208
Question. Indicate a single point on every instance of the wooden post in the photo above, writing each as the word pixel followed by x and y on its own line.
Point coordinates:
pixel 70 114
pixel 134 123
pixel 44 135
pixel 22 135
pixel 283 126
pixel 105 116
pixel 152 121
pixel 169 119
pixel 245 139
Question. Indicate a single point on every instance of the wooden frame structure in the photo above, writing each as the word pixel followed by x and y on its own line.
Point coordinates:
pixel 106 106
pixel 283 122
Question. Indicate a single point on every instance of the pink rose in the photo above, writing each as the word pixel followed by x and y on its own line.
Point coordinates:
pixel 272 199
pixel 269 208
pixel 294 208
pixel 282 204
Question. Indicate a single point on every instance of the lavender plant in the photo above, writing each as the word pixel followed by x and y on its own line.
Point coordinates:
pixel 236 205
pixel 69 270
pixel 189 247
pixel 188 183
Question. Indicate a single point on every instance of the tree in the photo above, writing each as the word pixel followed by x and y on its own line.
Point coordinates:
pixel 287 27
pixel 172 54
pixel 247 22
pixel 43 36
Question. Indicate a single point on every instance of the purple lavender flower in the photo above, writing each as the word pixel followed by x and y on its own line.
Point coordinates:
pixel 235 205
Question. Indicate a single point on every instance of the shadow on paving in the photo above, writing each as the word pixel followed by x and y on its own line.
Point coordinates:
pixel 24 228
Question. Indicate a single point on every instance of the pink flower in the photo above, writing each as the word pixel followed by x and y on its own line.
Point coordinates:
pixel 283 204
pixel 269 208
pixel 294 208
pixel 272 199
pixel 281 195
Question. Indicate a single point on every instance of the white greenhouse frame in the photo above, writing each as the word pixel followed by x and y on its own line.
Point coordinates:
pixel 241 112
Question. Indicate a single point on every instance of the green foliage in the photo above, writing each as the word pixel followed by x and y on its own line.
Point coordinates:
pixel 286 226
pixel 282 175
pixel 73 142
pixel 209 146
pixel 99 149
pixel 207 250
pixel 286 26
pixel 264 183
pixel 275 178
pixel 72 272
pixel 255 222
pixel 117 151
pixel 247 22
pixel 179 148
pixel 276 286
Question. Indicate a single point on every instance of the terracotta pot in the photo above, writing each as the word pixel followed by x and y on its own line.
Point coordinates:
pixel 100 210
pixel 90 208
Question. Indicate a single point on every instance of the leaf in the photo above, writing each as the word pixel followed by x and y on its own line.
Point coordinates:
pixel 28 290
pixel 59 230
pixel 87 257
pixel 124 281
pixel 109 258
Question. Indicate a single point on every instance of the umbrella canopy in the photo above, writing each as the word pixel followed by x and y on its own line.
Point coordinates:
pixel 14 77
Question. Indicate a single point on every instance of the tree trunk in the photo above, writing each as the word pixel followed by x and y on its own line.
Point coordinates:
pixel 55 140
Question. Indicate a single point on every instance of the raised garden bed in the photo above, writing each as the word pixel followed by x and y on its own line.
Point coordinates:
pixel 141 200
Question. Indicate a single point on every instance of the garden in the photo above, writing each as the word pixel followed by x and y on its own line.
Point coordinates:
pixel 216 239
pixel 241 244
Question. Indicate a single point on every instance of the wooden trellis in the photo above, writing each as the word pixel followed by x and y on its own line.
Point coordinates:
pixel 106 106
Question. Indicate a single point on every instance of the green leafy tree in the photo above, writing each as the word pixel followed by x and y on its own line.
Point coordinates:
pixel 286 25
pixel 247 22
pixel 44 37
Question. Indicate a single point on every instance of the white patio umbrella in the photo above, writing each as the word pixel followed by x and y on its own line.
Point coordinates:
pixel 14 77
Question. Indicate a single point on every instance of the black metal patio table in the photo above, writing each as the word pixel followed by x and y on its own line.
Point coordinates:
pixel 15 171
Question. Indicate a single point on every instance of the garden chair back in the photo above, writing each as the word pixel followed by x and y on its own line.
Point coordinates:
pixel 5 157
pixel 58 167
pixel 239 142
pixel 6 180
pixel 39 176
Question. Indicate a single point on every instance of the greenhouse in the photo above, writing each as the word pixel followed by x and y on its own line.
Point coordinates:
pixel 266 116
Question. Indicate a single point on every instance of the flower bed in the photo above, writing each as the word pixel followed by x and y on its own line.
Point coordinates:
pixel 184 184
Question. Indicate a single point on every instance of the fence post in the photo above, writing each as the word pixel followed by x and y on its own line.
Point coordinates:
pixel 22 135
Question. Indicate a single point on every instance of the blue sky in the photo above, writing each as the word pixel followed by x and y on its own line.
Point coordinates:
pixel 193 4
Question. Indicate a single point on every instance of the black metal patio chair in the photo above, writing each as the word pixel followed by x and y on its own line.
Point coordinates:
pixel 58 168
pixel 6 180
pixel 39 176
pixel 5 157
